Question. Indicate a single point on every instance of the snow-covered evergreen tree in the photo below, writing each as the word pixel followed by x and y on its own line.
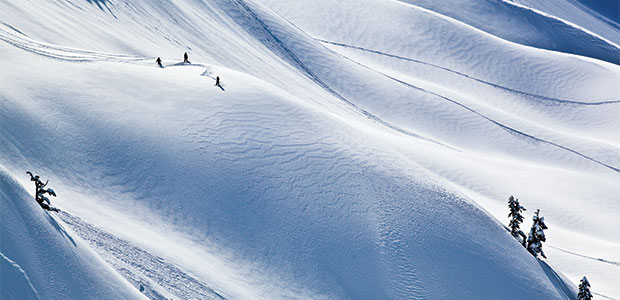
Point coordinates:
pixel 516 219
pixel 584 290
pixel 537 235
pixel 40 192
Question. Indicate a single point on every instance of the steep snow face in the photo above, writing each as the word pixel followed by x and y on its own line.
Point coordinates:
pixel 517 88
pixel 606 9
pixel 524 25
pixel 578 12
pixel 41 259
pixel 353 151
pixel 306 205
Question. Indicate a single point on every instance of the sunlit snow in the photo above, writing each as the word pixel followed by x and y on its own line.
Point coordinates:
pixel 357 149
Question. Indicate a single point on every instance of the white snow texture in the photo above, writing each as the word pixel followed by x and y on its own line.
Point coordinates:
pixel 356 149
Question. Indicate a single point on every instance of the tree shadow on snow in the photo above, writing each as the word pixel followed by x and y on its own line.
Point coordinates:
pixel 564 288
pixel 101 4
pixel 60 229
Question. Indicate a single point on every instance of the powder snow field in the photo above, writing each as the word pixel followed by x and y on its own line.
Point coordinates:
pixel 41 260
pixel 357 150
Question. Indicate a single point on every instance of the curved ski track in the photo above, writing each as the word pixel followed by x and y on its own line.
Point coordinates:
pixel 273 40
pixel 499 86
pixel 606 261
pixel 150 273
pixel 56 52
pixel 77 55
pixel 293 59
pixel 60 52
pixel 505 127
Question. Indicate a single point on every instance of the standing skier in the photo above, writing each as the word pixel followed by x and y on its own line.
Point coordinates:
pixel 158 61
pixel 217 80
pixel 185 58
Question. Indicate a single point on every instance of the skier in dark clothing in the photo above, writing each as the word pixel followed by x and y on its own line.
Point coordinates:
pixel 158 61
pixel 218 83
pixel 185 58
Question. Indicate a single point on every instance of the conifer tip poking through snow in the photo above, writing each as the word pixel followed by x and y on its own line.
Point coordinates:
pixel 40 192
pixel 516 219
pixel 537 236
pixel 584 290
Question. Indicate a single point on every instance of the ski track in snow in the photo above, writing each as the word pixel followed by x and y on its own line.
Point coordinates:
pixel 60 52
pixel 273 40
pixel 610 262
pixel 19 269
pixel 158 279
pixel 501 125
pixel 505 127
pixel 73 55
pixel 601 295
pixel 556 100
pixel 292 58
pixel 77 55
pixel 152 275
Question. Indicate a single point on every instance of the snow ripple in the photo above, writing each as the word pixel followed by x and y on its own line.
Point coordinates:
pixel 151 275
pixel 499 86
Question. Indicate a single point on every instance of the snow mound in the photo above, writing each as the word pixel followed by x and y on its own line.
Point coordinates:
pixel 578 12
pixel 41 259
pixel 358 150
pixel 527 26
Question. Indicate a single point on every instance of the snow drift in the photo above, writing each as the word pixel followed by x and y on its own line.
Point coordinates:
pixel 359 150
pixel 41 259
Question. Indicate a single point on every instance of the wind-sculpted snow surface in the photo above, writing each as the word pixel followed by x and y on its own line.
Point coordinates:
pixel 151 275
pixel 359 150
pixel 527 26
pixel 41 259
pixel 576 12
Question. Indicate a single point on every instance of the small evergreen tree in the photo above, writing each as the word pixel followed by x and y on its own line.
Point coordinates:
pixel 516 219
pixel 537 235
pixel 584 290
pixel 40 192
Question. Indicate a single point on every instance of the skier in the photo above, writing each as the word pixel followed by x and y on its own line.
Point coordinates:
pixel 158 61
pixel 218 83
pixel 185 58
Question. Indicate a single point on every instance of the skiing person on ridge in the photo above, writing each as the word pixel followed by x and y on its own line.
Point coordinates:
pixel 158 61
pixel 217 80
pixel 185 58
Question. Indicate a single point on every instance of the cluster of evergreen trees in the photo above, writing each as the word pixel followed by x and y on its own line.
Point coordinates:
pixel 40 192
pixel 534 240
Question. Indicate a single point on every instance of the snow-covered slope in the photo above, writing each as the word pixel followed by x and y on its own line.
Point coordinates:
pixel 577 12
pixel 358 149
pixel 41 259
pixel 527 25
